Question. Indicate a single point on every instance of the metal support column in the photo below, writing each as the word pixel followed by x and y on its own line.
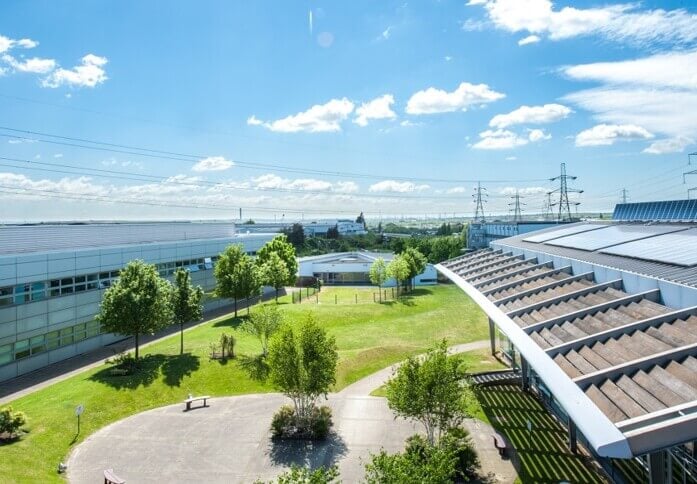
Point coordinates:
pixel 657 468
pixel 492 336
pixel 573 441
pixel 524 374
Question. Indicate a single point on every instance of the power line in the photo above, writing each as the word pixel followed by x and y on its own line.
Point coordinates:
pixel 480 196
pixel 624 197
pixel 517 211
pixel 564 208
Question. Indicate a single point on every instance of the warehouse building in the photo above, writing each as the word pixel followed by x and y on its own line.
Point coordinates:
pixel 600 319
pixel 353 268
pixel 481 234
pixel 52 277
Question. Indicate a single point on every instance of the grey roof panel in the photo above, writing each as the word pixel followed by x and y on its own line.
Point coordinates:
pixel 567 230
pixel 612 235
pixel 678 248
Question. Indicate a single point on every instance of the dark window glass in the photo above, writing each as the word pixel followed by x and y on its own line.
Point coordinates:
pixel 92 277
pixel 68 281
pixel 79 279
pixel 79 288
pixel 67 290
pixel 55 283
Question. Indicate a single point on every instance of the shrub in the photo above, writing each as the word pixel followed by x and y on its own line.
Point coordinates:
pixel 11 422
pixel 457 440
pixel 286 424
pixel 305 475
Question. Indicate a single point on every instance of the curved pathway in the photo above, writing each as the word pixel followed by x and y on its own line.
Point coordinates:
pixel 229 441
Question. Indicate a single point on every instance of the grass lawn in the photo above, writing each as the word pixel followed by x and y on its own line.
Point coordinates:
pixel 349 295
pixel 543 454
pixel 369 337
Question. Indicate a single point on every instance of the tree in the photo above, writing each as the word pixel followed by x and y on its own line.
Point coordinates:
pixel 361 220
pixel 285 251
pixel 416 261
pixel 444 248
pixel 138 303
pixel 186 302
pixel 11 421
pixel 302 364
pixel 263 324
pixel 296 235
pixel 247 279
pixel 333 232
pixel 398 268
pixel 429 391
pixel 226 284
pixel 306 475
pixel 274 273
pixel 378 274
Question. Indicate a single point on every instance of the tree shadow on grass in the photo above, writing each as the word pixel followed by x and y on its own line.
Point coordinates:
pixel 255 366
pixel 308 453
pixel 175 368
pixel 230 322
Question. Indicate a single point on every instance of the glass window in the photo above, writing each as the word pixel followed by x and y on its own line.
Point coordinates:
pixel 68 281
pixel 55 283
pixel 66 336
pixel 37 291
pixel 79 287
pixel 52 340
pixel 92 328
pixel 22 349
pixel 92 285
pixel 104 275
pixel 5 354
pixel 5 296
pixel 67 290
pixel 37 344
pixel 79 279
pixel 55 292
pixel 92 277
pixel 114 274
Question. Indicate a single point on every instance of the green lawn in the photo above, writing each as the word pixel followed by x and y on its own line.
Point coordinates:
pixel 369 336
pixel 543 453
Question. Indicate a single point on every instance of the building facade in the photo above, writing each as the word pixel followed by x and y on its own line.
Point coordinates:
pixel 481 234
pixel 353 268
pixel 52 278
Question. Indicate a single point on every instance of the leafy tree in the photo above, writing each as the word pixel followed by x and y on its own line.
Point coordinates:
pixel 398 268
pixel 296 235
pixel 444 248
pixel 285 251
pixel 11 421
pixel 263 324
pixel 138 303
pixel 247 279
pixel 380 227
pixel 361 220
pixel 305 475
pixel 186 302
pixel 416 261
pixel 302 364
pixel 333 232
pixel 226 284
pixel 378 274
pixel 274 272
pixel 429 391
pixel 420 463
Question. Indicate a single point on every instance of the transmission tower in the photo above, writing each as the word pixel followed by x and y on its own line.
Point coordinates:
pixel 624 195
pixel 547 207
pixel 690 158
pixel 479 196
pixel 517 211
pixel 564 213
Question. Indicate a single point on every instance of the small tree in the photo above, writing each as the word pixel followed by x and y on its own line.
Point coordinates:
pixel 416 262
pixel 378 274
pixel 11 422
pixel 303 365
pixel 398 268
pixel 296 235
pixel 306 475
pixel 429 391
pixel 247 279
pixel 263 324
pixel 138 303
pixel 226 284
pixel 274 272
pixel 285 251
pixel 186 302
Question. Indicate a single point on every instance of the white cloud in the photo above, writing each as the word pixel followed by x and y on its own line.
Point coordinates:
pixel 386 33
pixel 607 134
pixel 318 119
pixel 511 158
pixel 213 163
pixel 58 155
pixel 397 187
pixel 668 145
pixel 616 22
pixel 525 191
pixel 34 65
pixel 6 43
pixel 456 190
pixel 548 113
pixel 432 100
pixel 503 139
pixel 530 39
pixel 82 185
pixel 253 121
pixel 408 124
pixel 271 181
pixel 346 187
pixel 89 73
pixel 535 135
pixel 448 58
pixel 378 108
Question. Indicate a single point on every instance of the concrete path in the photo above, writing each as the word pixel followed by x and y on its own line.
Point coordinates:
pixel 229 441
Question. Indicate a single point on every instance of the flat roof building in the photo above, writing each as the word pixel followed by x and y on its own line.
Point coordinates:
pixel 601 321
pixel 52 277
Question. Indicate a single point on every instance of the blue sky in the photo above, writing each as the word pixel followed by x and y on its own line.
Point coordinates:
pixel 332 108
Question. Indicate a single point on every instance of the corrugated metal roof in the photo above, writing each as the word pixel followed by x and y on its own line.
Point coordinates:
pixel 22 239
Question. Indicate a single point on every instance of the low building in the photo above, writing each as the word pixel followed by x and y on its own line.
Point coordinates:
pixel 52 277
pixel 600 321
pixel 481 234
pixel 316 228
pixel 353 268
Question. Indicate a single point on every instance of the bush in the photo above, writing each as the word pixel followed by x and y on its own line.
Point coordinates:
pixel 305 475
pixel 287 425
pixel 457 440
pixel 11 422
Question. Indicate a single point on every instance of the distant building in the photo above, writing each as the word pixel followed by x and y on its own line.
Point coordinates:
pixel 311 229
pixel 481 234
pixel 352 268
pixel 53 276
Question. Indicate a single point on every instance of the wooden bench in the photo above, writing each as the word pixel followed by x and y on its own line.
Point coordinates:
pixel 190 400
pixel 111 478
pixel 500 444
